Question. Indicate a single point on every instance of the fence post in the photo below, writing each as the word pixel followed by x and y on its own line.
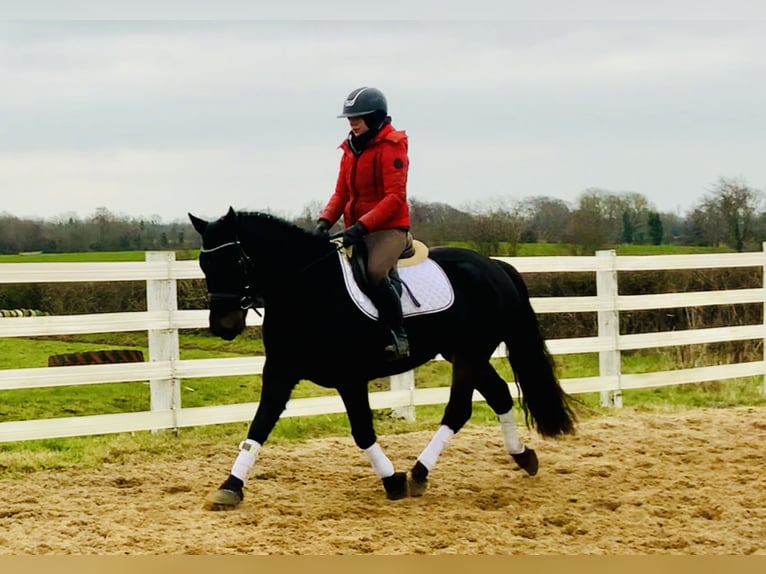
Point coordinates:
pixel 161 295
pixel 763 246
pixel 404 381
pixel 609 328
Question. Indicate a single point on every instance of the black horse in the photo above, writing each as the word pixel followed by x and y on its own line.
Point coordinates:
pixel 313 330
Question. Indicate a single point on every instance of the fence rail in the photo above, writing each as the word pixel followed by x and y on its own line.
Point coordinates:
pixel 165 370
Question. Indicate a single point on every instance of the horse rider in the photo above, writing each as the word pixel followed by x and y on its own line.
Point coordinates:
pixel 371 195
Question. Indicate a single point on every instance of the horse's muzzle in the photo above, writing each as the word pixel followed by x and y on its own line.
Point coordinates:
pixel 227 325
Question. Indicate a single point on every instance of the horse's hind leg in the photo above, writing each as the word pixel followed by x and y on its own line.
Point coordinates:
pixel 495 391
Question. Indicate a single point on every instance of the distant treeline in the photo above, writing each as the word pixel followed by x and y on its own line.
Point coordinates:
pixel 730 215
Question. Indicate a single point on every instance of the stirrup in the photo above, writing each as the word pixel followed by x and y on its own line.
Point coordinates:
pixel 399 348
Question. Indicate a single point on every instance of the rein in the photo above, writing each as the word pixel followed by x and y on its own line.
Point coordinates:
pixel 221 246
pixel 338 247
pixel 246 265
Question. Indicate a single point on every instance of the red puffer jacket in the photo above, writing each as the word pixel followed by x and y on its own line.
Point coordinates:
pixel 372 188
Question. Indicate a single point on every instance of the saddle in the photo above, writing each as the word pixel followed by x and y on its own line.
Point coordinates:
pixel 420 275
pixel 415 251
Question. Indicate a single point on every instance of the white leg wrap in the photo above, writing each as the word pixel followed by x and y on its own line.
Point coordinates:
pixel 248 454
pixel 434 448
pixel 379 461
pixel 511 438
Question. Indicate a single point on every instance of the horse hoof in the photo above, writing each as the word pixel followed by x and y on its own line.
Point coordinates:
pixel 418 479
pixel 396 486
pixel 222 499
pixel 527 460
pixel 417 487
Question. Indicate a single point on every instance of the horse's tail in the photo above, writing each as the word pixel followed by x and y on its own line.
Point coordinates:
pixel 543 398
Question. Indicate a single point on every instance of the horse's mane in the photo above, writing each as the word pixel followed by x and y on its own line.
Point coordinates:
pixel 272 220
pixel 277 225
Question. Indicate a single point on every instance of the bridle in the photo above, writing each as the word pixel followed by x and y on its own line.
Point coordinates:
pixel 244 299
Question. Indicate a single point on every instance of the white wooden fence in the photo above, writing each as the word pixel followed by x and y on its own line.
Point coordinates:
pixel 164 369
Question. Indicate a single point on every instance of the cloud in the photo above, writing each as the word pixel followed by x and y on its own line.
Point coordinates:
pixel 169 116
pixel 165 182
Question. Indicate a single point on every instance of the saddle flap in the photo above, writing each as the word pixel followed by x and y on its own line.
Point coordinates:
pixel 426 280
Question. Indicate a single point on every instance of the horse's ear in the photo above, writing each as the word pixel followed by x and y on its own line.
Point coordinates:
pixel 231 214
pixel 199 224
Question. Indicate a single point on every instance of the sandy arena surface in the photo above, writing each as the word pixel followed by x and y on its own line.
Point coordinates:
pixel 633 483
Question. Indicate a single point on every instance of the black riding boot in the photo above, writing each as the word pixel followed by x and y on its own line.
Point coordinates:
pixel 389 306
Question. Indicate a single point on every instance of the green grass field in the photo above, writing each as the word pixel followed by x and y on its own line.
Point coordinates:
pixel 89 256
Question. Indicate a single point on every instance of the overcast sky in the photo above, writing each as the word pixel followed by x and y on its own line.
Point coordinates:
pixel 155 118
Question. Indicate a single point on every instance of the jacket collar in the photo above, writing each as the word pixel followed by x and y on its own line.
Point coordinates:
pixel 385 132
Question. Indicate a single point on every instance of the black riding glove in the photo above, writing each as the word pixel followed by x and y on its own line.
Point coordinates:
pixel 354 234
pixel 323 227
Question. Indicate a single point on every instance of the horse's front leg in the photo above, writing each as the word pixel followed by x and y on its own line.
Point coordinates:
pixel 275 392
pixel 456 414
pixel 357 403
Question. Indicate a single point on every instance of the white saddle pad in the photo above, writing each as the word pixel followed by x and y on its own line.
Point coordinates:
pixel 426 280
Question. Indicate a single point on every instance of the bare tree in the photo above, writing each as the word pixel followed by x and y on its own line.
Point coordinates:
pixel 308 216
pixel 500 221
pixel 733 206
pixel 589 227
pixel 547 218
pixel 435 223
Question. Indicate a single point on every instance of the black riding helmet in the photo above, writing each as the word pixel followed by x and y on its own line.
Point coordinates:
pixel 364 101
